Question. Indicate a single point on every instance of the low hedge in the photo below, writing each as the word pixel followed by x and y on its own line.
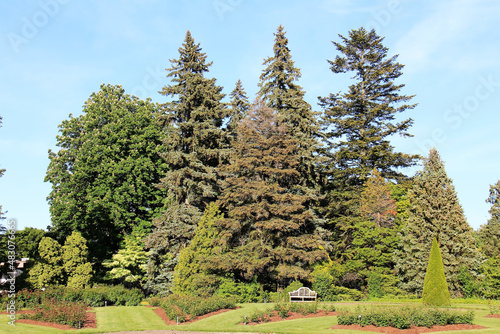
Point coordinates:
pixel 404 317
pixel 186 307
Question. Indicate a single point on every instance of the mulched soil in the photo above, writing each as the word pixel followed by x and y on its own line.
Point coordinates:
pixel 493 316
pixel 161 313
pixel 293 315
pixel 413 330
pixel 90 321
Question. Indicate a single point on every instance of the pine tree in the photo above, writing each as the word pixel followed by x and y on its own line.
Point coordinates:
pixel 435 290
pixel 194 150
pixel 269 232
pixel 280 92
pixel 357 126
pixel 239 107
pixel 103 176
pixel 489 234
pixel 435 212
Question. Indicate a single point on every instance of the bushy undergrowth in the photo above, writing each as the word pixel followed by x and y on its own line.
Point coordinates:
pixel 404 317
pixel 98 296
pixel 59 312
pixel 184 307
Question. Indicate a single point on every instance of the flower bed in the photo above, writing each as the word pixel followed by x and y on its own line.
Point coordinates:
pixel 404 317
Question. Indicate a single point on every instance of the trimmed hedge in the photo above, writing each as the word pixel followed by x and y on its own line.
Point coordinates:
pixel 403 317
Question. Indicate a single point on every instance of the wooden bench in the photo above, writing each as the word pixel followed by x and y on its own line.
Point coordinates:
pixel 303 295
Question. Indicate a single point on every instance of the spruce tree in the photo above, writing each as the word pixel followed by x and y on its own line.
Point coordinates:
pixel 357 126
pixel 279 90
pixel 435 212
pixel 270 232
pixel 435 290
pixel 194 147
pixel 489 234
pixel 239 107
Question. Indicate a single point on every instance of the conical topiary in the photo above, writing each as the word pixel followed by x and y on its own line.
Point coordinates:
pixel 435 291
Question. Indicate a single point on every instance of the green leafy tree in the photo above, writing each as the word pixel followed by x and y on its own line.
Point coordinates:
pixel 357 127
pixel 49 270
pixel 279 90
pixel 103 176
pixel 190 275
pixel 239 107
pixel 270 232
pixel 435 291
pixel 490 285
pixel 75 261
pixel 194 150
pixel 435 212
pixel 489 234
pixel 128 265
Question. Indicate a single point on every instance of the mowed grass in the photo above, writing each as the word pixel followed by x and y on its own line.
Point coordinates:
pixel 139 318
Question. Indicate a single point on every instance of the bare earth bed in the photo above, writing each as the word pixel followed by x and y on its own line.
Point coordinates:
pixel 90 321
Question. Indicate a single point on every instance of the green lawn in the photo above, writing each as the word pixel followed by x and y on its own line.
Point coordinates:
pixel 137 318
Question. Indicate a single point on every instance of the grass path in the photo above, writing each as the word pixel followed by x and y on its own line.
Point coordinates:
pixel 140 318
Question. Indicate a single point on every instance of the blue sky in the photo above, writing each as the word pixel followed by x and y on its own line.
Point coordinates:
pixel 55 53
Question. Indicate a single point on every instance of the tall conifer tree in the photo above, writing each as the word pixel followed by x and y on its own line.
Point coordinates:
pixel 435 212
pixel 489 234
pixel 279 90
pixel 269 231
pixel 239 107
pixel 194 140
pixel 357 125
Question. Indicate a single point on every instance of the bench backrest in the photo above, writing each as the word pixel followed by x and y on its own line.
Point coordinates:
pixel 303 292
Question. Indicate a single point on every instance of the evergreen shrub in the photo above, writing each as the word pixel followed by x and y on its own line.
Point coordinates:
pixel 435 290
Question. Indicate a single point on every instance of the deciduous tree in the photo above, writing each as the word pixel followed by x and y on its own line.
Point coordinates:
pixel 105 172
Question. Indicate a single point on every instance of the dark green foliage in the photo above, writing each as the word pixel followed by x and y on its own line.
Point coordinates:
pixel 489 234
pixel 281 93
pixel 468 284
pixel 194 149
pixel 270 231
pixel 403 317
pixel 239 108
pixel 357 127
pixel 435 211
pixel 435 291
pixel 103 176
pixel 491 283
pixel 283 296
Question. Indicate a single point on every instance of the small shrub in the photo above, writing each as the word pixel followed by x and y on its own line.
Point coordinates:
pixel 188 307
pixel 60 312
